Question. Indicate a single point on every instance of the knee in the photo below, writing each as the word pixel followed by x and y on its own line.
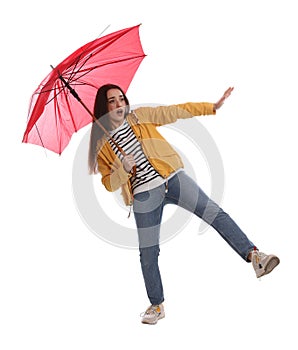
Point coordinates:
pixel 212 212
pixel 149 255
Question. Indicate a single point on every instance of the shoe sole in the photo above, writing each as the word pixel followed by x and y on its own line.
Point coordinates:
pixel 153 323
pixel 272 263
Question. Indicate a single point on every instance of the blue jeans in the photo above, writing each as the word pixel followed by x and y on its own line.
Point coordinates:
pixel 184 192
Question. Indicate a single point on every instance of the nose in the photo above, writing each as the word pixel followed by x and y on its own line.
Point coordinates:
pixel 119 103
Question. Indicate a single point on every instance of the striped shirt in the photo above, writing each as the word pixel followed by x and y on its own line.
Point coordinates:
pixel 146 176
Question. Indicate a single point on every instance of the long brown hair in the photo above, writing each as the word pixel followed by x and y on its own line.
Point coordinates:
pixel 101 114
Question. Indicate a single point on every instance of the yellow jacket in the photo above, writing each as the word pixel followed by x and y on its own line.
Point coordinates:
pixel 159 152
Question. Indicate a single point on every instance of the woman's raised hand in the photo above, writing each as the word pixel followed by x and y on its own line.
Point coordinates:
pixel 221 101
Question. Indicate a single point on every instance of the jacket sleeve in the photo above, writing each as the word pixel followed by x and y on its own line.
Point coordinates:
pixel 113 173
pixel 199 108
pixel 162 115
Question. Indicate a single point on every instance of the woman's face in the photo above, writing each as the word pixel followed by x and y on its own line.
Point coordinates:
pixel 116 107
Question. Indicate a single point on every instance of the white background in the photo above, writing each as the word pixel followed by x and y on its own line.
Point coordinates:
pixel 64 288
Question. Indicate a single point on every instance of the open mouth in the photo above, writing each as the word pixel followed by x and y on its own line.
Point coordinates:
pixel 120 112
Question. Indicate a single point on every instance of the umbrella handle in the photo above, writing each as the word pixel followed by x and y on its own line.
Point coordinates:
pixel 134 170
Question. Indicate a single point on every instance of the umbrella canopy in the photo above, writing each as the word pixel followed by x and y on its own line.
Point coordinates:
pixel 54 113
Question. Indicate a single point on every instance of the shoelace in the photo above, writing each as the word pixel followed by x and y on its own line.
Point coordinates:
pixel 152 310
pixel 259 257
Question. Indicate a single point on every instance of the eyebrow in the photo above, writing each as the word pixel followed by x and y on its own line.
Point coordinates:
pixel 113 97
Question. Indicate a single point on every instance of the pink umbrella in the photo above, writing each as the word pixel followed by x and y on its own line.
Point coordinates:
pixel 62 103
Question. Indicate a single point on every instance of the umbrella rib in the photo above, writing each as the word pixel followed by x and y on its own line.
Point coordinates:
pixel 78 60
pixel 71 114
pixel 62 88
pixel 86 72
pixel 91 54
pixel 69 111
pixel 74 69
pixel 75 72
pixel 49 90
pixel 39 136
pixel 57 118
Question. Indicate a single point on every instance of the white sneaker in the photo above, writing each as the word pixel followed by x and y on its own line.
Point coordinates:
pixel 153 314
pixel 262 263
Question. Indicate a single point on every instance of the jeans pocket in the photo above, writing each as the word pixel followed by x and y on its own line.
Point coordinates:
pixel 142 196
pixel 148 201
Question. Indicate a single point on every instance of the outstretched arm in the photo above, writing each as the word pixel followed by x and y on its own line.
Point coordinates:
pixel 221 101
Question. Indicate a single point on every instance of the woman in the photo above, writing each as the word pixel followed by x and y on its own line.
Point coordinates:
pixel 150 174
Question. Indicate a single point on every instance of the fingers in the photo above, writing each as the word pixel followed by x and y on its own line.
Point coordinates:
pixel 128 162
pixel 228 92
